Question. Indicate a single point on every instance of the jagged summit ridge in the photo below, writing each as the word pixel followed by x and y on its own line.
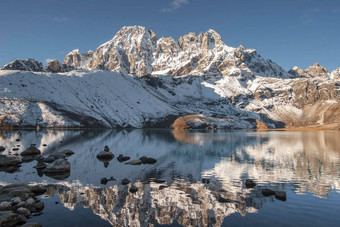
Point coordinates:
pixel 137 50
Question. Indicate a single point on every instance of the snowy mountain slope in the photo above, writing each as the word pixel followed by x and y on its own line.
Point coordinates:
pixel 110 99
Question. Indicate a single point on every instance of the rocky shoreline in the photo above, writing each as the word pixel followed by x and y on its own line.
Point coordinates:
pixel 18 202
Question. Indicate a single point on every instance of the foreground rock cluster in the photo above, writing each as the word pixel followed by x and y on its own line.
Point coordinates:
pixel 18 203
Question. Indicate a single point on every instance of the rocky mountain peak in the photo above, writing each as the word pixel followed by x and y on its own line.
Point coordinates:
pixel 298 72
pixel 317 70
pixel 77 60
pixel 335 74
pixel 24 65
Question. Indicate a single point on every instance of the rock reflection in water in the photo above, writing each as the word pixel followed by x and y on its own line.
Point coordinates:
pixel 279 160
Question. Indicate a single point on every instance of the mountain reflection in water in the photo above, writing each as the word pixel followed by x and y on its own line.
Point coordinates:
pixel 299 162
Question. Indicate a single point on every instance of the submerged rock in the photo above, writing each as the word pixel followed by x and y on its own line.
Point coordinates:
pixel 2 149
pixel 32 150
pixel 250 183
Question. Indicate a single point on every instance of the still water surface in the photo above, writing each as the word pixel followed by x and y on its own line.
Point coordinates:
pixel 306 165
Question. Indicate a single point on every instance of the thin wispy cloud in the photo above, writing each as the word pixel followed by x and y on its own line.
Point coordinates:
pixel 309 15
pixel 336 11
pixel 48 60
pixel 175 4
pixel 60 19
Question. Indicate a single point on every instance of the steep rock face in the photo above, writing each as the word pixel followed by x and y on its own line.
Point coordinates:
pixel 335 74
pixel 54 66
pixel 76 60
pixel 298 102
pixel 298 72
pixel 317 70
pixel 24 65
pixel 130 51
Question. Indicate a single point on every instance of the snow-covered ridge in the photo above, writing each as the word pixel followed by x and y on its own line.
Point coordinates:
pixel 110 99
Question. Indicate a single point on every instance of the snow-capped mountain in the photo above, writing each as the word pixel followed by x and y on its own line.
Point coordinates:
pixel 136 50
pixel 139 80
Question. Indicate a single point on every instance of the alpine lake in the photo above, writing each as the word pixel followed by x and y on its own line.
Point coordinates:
pixel 200 177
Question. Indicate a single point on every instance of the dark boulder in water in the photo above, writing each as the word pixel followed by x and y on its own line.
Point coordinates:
pixel 9 161
pixel 267 192
pixel 104 180
pixel 250 183
pixel 146 160
pixel 105 155
pixel 32 150
pixel 59 167
pixel 2 149
pixel 281 195
pixel 122 158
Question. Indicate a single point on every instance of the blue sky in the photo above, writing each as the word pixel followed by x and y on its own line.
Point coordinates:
pixel 290 32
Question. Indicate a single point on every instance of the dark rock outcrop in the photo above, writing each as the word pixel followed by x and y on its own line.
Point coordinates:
pixel 24 65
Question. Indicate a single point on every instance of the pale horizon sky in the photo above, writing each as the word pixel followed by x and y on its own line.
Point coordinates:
pixel 299 32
